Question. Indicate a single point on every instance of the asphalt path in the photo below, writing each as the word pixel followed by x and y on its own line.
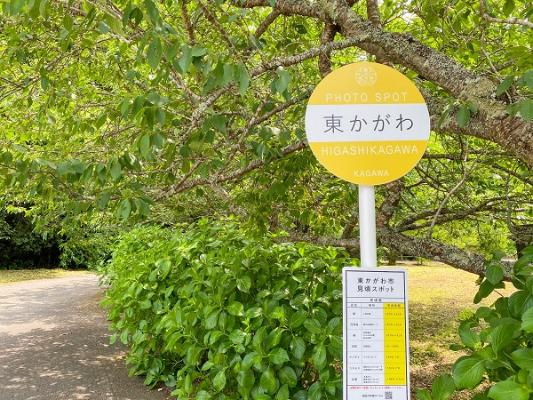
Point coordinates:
pixel 54 344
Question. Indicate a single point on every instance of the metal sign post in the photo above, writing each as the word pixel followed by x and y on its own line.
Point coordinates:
pixel 368 124
pixel 367 227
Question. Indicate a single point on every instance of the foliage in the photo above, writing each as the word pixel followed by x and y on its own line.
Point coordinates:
pixel 223 315
pixel 172 110
pixel 498 340
pixel 20 246
pixel 23 245
pixel 86 250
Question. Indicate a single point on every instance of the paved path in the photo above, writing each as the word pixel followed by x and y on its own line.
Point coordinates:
pixel 54 344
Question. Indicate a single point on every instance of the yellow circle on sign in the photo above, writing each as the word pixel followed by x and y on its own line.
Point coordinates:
pixel 367 123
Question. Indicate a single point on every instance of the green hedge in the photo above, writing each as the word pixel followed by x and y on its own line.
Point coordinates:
pixel 220 314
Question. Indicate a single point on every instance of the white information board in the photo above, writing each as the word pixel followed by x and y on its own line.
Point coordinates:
pixel 376 350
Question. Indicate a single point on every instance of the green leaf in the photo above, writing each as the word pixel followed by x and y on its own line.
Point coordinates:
pixel 443 387
pixel 527 79
pixel 529 284
pixel 113 339
pixel 468 372
pixel 319 356
pixel 245 382
pixel 198 51
pixel 154 53
pixel 164 267
pixel 211 320
pixel 143 207
pixel 229 73
pixel 283 393
pixel 236 308
pixel 203 395
pixel 268 381
pixel 144 146
pixel 315 391
pixel 259 338
pixel 273 338
pixel 298 347
pixel 219 383
pixel 103 28
pixel 124 209
pixel 288 376
pixel 505 85
pixel 114 23
pixel 313 325
pixel 278 356
pixel 494 273
pixel 485 289
pixel 185 60
pixel 297 319
pixel 145 304
pixel 207 365
pixel 519 302
pixel 527 320
pixel 423 394
pixel 525 108
pixel 463 115
pixel 281 84
pixel 103 200
pixel 153 12
pixel 124 337
pixel 501 336
pixel 244 284
pixel 523 358
pixel 250 359
pixel 508 390
pixel 469 338
pixel 115 170
pixel 243 78
pixel 254 312
pixel 508 7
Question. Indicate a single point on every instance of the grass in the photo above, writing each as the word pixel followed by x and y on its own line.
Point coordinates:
pixel 438 295
pixel 17 275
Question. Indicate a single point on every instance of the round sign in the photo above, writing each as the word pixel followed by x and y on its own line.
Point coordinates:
pixel 367 123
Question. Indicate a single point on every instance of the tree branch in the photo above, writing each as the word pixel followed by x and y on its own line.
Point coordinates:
pixel 266 23
pixel 187 22
pixel 407 246
pixel 493 121
pixel 233 175
pixel 509 21
pixel 390 204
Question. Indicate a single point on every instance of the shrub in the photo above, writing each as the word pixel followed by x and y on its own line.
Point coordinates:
pixel 85 250
pixel 220 314
pixel 498 341
pixel 20 246
pixel 23 244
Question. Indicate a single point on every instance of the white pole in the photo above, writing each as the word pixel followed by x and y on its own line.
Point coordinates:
pixel 367 226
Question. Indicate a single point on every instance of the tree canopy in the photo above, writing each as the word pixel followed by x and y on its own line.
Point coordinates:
pixel 122 111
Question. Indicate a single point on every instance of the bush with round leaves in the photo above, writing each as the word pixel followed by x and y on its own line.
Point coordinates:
pixel 498 341
pixel 217 313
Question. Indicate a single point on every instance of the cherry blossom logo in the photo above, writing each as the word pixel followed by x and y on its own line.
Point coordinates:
pixel 366 75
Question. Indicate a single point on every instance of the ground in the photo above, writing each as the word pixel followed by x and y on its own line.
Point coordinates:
pixel 17 275
pixel 55 344
pixel 54 337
